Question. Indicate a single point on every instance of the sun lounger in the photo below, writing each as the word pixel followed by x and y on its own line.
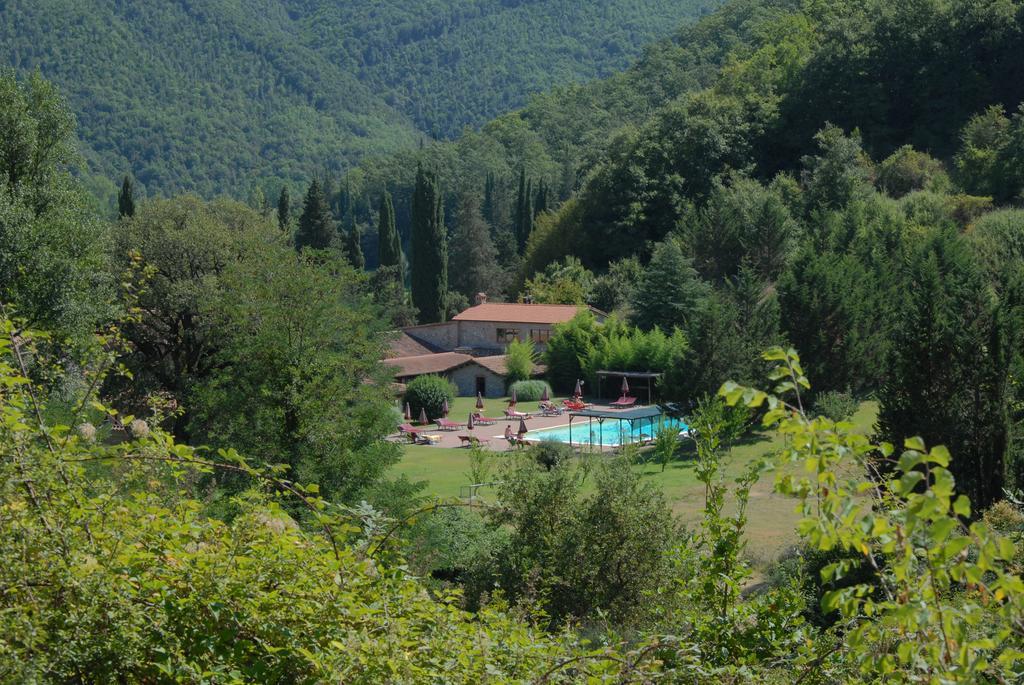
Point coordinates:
pixel 481 420
pixel 624 402
pixel 550 409
pixel 573 405
pixel 513 414
pixel 446 425
pixel 408 428
pixel 472 440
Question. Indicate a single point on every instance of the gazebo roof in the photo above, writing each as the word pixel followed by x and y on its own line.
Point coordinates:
pixel 622 414
pixel 630 374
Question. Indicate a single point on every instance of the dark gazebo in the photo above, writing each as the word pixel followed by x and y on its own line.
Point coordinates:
pixel 633 376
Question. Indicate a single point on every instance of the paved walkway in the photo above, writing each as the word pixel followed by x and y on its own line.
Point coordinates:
pixel 494 435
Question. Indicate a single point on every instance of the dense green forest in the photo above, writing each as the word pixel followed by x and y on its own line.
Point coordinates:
pixel 220 97
pixel 819 199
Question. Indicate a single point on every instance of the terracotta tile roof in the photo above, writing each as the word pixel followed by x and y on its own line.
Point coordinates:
pixel 426 363
pixel 406 345
pixel 510 312
pixel 498 364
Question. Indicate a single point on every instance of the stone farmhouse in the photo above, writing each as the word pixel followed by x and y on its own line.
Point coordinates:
pixel 470 349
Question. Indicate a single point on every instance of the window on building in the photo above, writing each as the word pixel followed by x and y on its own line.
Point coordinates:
pixel 540 335
pixel 507 335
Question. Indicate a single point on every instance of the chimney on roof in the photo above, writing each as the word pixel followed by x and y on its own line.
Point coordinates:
pixel 481 298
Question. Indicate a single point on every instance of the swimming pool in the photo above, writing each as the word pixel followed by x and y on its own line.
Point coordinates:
pixel 610 433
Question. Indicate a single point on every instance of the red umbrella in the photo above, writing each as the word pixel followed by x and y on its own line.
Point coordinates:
pixel 522 427
pixel 444 408
pixel 423 416
pixel 579 389
pixel 544 395
pixel 408 412
pixel 512 398
pixel 469 424
pixel 625 386
pixel 479 401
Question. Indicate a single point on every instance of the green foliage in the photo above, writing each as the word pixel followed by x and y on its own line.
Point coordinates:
pixel 429 250
pixel 549 454
pixel 948 380
pixel 316 225
pixel 429 392
pixel 389 245
pixel 570 345
pixel 588 554
pixel 839 174
pixel 474 264
pixel 126 199
pixel 991 153
pixel 907 170
pixel 530 391
pixel 520 359
pixel 295 378
pixel 666 444
pixel 835 405
pixel 670 294
pixel 54 267
pixel 562 282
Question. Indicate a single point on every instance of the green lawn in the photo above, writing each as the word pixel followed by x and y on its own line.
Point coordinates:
pixel 772 518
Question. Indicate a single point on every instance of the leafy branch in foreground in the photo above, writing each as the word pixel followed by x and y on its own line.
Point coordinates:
pixel 950 608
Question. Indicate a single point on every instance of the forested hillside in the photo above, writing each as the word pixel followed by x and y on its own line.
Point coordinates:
pixel 199 440
pixel 215 97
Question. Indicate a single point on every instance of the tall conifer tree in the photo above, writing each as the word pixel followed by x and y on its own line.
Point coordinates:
pixel 389 245
pixel 316 225
pixel 126 199
pixel 429 249
pixel 284 209
pixel 524 210
pixel 488 209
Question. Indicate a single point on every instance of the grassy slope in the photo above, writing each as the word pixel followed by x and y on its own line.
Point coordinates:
pixel 772 518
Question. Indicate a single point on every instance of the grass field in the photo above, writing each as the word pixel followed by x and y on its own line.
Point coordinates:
pixel 772 517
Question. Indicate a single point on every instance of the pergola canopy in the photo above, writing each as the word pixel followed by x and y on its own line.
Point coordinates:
pixel 649 376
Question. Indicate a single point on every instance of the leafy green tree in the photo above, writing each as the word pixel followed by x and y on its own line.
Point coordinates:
pixel 839 173
pixel 187 244
pixel 429 393
pixel 429 249
pixel 582 554
pixel 126 198
pixel 907 170
pixel 671 294
pixel 473 255
pixel 389 245
pixel 354 247
pixel 296 378
pixel 316 225
pixel 54 268
pixel 284 212
pixel 950 361
pixel 977 162
pixel 570 346
pixel 520 358
pixel 562 282
pixel 613 291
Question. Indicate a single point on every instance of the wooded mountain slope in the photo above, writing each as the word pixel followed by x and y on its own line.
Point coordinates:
pixel 212 96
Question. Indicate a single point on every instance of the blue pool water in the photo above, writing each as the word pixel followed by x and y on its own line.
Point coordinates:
pixel 611 433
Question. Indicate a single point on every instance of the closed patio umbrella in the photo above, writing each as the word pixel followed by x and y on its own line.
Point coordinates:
pixel 444 408
pixel 579 389
pixel 479 401
pixel 522 427
pixel 423 416
pixel 469 424
pixel 625 386
pixel 408 412
pixel 512 398
pixel 544 395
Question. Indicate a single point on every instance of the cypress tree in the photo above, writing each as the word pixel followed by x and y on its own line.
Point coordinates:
pixel 541 203
pixel 524 210
pixel 316 226
pixel 429 249
pixel 283 209
pixel 950 364
pixel 488 208
pixel 126 199
pixel 389 245
pixel 354 247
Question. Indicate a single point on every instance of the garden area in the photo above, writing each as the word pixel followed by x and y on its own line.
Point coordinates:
pixel 772 520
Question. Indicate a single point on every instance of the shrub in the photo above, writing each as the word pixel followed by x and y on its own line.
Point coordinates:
pixel 430 393
pixel 530 391
pixel 551 453
pixel 519 361
pixel 835 405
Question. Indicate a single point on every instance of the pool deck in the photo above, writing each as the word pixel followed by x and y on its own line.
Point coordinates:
pixel 494 435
